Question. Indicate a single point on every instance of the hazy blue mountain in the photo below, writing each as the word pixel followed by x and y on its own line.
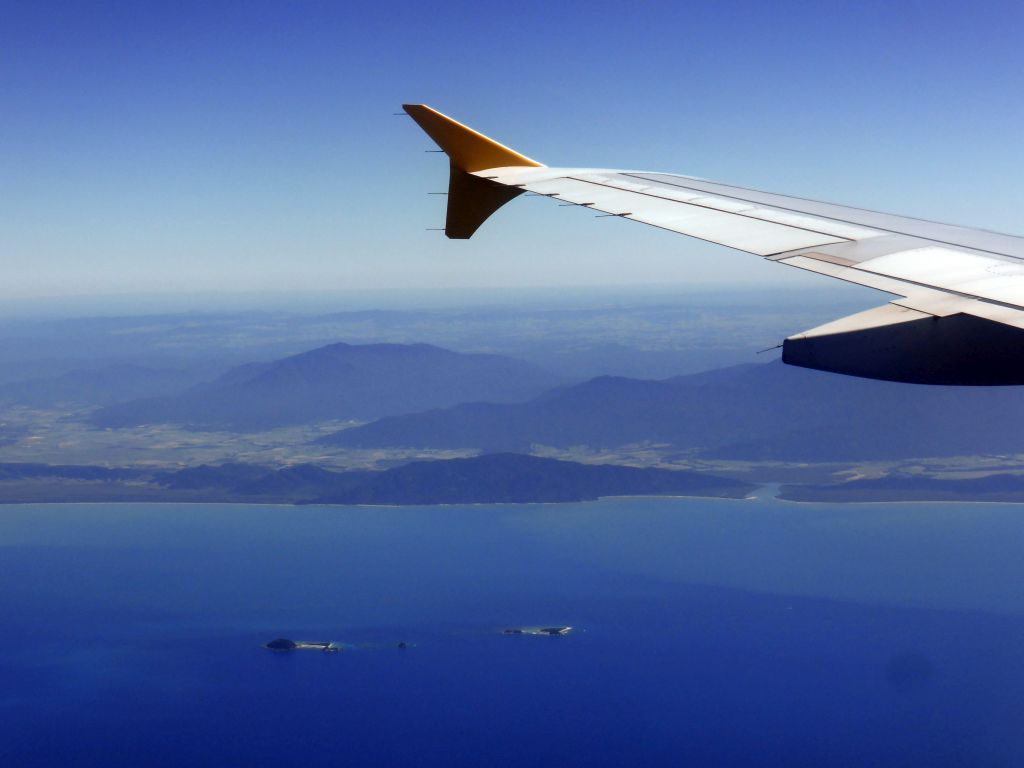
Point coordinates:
pixel 585 360
pixel 768 411
pixel 338 381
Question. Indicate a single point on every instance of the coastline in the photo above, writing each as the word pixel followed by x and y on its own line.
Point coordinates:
pixel 299 504
pixel 899 501
pixel 497 504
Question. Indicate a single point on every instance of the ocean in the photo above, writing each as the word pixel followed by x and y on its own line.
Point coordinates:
pixel 706 633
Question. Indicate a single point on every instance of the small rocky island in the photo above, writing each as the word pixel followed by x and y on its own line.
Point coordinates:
pixel 549 631
pixel 284 644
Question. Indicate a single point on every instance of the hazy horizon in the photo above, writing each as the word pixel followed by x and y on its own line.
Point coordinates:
pixel 819 291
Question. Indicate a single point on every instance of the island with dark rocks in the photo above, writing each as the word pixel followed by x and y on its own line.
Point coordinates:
pixel 547 631
pixel 284 644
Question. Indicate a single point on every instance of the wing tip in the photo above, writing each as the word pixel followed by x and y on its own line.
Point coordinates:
pixel 468 149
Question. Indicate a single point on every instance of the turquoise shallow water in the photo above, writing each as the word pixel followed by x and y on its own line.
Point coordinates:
pixel 713 632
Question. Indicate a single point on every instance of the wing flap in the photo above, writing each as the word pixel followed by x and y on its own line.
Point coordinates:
pixel 837 229
pixel 937 303
pixel 716 220
pixel 967 273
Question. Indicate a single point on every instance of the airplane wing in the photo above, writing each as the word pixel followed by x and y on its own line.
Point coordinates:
pixel 959 313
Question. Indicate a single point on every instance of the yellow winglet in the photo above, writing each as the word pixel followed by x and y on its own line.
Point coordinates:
pixel 471 199
pixel 470 151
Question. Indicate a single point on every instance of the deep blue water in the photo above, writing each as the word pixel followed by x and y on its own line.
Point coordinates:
pixel 710 633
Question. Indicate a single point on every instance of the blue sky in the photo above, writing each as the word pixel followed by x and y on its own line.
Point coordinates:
pixel 175 147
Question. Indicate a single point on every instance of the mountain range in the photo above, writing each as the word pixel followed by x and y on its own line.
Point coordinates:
pixel 751 412
pixel 422 396
pixel 338 381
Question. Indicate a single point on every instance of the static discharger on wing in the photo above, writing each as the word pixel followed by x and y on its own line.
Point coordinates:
pixel 959 313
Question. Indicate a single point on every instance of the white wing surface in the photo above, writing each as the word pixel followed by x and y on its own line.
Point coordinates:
pixel 959 313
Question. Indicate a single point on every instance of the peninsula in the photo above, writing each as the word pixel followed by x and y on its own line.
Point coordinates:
pixel 486 479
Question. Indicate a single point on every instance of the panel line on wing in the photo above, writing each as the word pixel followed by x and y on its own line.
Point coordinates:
pixel 696 204
pixel 660 176
pixel 879 228
pixel 632 217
